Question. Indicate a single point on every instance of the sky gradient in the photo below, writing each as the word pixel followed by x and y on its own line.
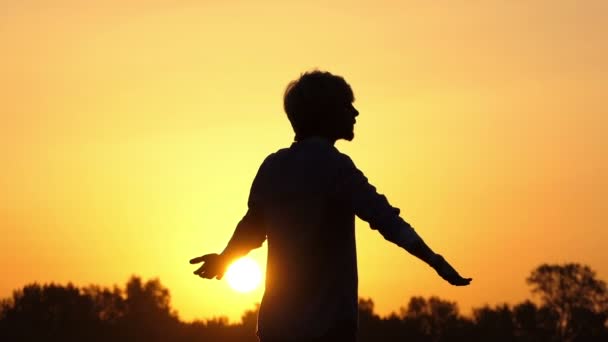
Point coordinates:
pixel 131 131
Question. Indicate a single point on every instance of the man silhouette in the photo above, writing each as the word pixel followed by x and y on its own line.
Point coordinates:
pixel 303 201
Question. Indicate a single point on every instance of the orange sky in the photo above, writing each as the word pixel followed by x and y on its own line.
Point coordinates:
pixel 131 131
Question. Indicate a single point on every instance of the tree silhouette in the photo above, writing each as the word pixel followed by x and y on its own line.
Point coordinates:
pixel 494 324
pixel 433 319
pixel 50 312
pixel 577 297
pixel 148 314
pixel 571 297
pixel 532 323
pixel 66 313
pixel 109 305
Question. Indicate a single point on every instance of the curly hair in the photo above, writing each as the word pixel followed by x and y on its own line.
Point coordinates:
pixel 312 99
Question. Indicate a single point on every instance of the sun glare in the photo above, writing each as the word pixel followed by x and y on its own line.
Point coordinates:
pixel 244 275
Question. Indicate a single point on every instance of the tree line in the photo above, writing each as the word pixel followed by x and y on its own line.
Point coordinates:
pixel 572 306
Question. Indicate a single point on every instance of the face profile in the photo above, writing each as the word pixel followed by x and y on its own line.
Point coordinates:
pixel 346 124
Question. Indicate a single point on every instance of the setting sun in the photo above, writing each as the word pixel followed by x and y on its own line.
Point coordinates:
pixel 244 275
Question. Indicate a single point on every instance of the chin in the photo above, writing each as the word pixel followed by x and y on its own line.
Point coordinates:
pixel 349 136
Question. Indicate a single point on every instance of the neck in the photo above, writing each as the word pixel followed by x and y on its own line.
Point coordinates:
pixel 318 137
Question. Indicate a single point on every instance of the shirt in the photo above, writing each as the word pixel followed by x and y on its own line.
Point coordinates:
pixel 303 201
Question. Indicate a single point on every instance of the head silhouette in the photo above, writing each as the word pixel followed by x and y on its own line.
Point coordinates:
pixel 320 104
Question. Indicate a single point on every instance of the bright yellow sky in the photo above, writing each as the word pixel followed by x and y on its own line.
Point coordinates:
pixel 131 131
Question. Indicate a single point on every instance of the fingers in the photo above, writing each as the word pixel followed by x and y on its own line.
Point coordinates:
pixel 460 281
pixel 196 260
pixel 448 273
pixel 201 258
pixel 200 270
pixel 206 273
pixel 211 267
pixel 204 268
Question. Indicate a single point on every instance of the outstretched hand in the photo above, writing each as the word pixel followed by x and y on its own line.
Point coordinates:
pixel 448 273
pixel 214 266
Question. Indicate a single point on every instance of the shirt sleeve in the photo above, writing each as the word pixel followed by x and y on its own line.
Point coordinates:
pixel 373 207
pixel 250 232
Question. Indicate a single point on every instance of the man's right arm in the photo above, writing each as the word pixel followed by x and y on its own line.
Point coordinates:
pixel 250 233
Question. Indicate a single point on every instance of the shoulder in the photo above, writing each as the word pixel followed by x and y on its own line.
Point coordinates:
pixel 343 159
pixel 269 159
pixel 274 156
pixel 273 159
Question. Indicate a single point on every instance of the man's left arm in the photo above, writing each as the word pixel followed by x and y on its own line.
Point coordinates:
pixel 375 209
